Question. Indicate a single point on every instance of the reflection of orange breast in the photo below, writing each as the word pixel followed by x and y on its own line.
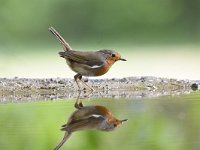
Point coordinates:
pixel 102 111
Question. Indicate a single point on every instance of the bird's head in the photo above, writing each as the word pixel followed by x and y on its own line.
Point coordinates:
pixel 111 56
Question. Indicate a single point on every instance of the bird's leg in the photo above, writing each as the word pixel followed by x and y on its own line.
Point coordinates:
pixel 78 105
pixel 76 77
pixel 66 136
pixel 90 94
pixel 79 76
pixel 91 89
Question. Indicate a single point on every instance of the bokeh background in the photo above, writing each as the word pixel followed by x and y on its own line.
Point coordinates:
pixel 158 37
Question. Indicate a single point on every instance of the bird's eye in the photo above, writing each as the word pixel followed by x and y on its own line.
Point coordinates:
pixel 113 55
pixel 115 125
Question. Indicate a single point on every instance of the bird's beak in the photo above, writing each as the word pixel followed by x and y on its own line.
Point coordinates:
pixel 122 59
pixel 124 120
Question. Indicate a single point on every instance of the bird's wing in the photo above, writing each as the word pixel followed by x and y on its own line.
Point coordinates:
pixel 87 58
pixel 89 111
pixel 84 124
pixel 86 116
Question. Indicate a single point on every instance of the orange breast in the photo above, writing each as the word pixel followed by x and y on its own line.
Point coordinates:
pixel 105 69
pixel 102 71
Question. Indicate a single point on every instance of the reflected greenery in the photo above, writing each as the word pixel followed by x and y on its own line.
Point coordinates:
pixel 169 123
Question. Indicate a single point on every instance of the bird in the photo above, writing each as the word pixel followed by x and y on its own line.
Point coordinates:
pixel 87 63
pixel 95 117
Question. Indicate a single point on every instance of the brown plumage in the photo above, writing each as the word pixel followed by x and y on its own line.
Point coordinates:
pixel 87 63
pixel 89 118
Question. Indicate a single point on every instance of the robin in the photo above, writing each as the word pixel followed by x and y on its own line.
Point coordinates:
pixel 87 63
pixel 89 118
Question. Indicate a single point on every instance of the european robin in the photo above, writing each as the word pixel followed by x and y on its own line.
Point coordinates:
pixel 87 63
pixel 89 118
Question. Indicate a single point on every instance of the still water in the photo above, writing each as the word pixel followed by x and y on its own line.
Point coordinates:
pixel 164 123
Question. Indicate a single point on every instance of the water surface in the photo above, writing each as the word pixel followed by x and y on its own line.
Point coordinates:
pixel 167 123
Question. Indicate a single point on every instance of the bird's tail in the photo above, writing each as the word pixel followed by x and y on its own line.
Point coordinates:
pixel 65 138
pixel 65 45
pixel 62 54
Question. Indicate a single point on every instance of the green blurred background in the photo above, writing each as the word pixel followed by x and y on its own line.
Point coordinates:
pixel 158 37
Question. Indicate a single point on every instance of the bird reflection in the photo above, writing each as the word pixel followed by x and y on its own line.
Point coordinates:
pixel 89 118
